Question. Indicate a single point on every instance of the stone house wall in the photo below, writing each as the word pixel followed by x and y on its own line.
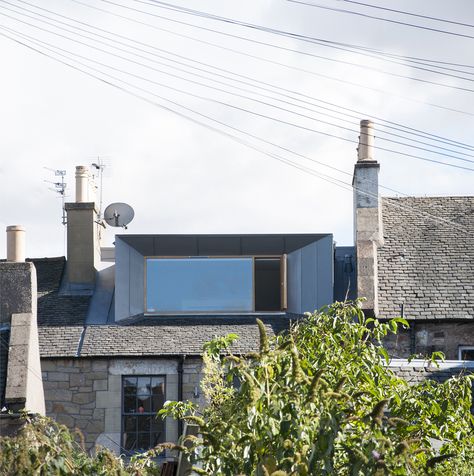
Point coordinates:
pixel 86 393
pixel 427 337
pixel 192 375
pixel 70 390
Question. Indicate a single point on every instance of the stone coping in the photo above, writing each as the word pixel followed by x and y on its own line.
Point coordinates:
pixel 447 364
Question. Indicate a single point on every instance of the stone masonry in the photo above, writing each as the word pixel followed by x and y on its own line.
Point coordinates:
pixel 86 393
pixel 70 388
pixel 427 337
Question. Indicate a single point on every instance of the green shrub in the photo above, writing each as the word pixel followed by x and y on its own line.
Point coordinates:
pixel 44 447
pixel 319 400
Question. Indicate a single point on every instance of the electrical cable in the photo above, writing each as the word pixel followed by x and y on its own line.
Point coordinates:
pixel 267 60
pixel 321 42
pixel 380 55
pixel 365 15
pixel 280 120
pixel 327 178
pixel 297 36
pixel 427 17
pixel 42 43
pixel 305 53
pixel 200 69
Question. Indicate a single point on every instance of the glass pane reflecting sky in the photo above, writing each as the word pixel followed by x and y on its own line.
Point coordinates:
pixel 199 285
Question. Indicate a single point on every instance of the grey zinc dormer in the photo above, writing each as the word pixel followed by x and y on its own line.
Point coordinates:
pixel 310 264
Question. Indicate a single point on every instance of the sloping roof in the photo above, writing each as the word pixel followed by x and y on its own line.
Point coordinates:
pixel 61 322
pixel 59 341
pixel 54 308
pixel 160 337
pixel 427 260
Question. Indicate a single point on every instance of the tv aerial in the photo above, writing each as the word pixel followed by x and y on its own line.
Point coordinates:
pixel 119 215
pixel 60 189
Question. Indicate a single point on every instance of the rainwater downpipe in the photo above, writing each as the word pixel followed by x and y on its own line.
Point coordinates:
pixel 180 389
pixel 412 330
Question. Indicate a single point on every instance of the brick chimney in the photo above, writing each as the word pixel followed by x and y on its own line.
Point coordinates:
pixel 83 234
pixel 368 235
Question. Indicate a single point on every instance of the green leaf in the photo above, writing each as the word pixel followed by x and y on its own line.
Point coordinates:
pixel 384 354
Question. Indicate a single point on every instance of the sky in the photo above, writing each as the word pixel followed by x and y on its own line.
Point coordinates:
pixel 202 132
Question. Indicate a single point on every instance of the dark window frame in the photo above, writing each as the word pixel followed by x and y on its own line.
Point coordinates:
pixel 151 414
pixel 462 348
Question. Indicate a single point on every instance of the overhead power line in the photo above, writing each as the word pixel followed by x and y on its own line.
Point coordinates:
pixel 300 52
pixel 358 49
pixel 269 61
pixel 426 17
pixel 281 91
pixel 329 179
pixel 232 78
pixel 365 15
pixel 253 80
pixel 252 112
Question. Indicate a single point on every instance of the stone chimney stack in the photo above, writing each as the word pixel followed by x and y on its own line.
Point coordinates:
pixel 15 243
pixel 83 234
pixel 368 235
pixel 18 303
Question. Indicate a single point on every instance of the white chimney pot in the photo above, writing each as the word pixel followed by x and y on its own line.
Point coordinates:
pixel 366 141
pixel 82 184
pixel 16 243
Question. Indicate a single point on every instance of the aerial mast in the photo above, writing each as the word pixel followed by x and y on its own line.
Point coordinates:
pixel 59 188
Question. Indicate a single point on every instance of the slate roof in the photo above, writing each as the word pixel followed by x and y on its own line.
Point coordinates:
pixel 172 337
pixel 59 341
pixel 53 308
pixel 62 331
pixel 427 260
pixel 161 338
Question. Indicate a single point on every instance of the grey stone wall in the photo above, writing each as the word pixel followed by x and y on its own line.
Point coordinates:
pixel 427 337
pixel 87 393
pixel 18 290
pixel 10 424
pixel 70 390
pixel 192 375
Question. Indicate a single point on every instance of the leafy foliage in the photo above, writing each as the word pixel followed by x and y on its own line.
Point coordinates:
pixel 319 400
pixel 44 447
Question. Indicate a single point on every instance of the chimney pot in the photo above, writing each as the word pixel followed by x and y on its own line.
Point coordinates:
pixel 15 243
pixel 365 150
pixel 82 184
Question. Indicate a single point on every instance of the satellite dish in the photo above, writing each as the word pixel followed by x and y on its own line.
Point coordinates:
pixel 119 214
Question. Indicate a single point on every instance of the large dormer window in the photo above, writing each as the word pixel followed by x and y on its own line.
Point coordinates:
pixel 213 285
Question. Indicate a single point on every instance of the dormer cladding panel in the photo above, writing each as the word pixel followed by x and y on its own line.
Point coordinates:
pixel 133 251
pixel 216 244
